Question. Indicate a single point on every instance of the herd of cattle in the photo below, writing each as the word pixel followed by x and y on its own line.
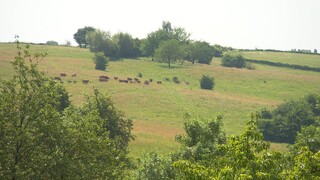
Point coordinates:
pixel 104 78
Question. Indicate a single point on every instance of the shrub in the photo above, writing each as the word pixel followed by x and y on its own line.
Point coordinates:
pixel 140 75
pixel 207 82
pixel 101 61
pixel 52 43
pixel 233 61
pixel 176 79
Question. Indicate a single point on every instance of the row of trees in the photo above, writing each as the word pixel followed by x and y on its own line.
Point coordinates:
pixel 166 44
pixel 44 136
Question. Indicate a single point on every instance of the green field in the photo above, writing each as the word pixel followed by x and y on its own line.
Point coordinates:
pixel 311 60
pixel 157 110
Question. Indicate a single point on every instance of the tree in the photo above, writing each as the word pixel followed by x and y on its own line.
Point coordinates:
pixel 80 36
pixel 286 120
pixel 206 82
pixel 200 51
pixel 41 138
pixel 166 32
pixel 101 61
pixel 30 120
pixel 233 61
pixel 126 45
pixel 101 41
pixel 169 51
pixel 52 43
pixel 315 51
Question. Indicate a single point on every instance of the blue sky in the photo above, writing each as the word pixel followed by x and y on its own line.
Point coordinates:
pixel 265 24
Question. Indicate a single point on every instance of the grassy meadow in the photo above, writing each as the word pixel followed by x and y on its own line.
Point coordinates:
pixel 157 109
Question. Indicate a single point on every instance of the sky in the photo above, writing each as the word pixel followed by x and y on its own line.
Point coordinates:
pixel 246 24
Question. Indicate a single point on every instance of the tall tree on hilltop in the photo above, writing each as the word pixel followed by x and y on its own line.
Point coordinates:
pixel 80 36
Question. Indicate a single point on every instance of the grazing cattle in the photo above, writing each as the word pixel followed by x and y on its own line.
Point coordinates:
pixel 136 79
pixel 104 77
pixel 125 81
pixel 85 81
pixel 150 80
pixel 146 82
pixel 103 80
pixel 116 78
pixel 159 82
pixel 74 75
pixel 129 79
pixel 63 74
pixel 57 78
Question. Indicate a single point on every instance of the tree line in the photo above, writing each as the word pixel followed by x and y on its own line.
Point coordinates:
pixel 167 44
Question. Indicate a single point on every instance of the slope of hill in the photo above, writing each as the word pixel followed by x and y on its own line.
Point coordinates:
pixel 157 109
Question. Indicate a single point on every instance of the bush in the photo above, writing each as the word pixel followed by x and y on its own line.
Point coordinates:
pixel 233 61
pixel 140 75
pixel 101 61
pixel 176 80
pixel 207 82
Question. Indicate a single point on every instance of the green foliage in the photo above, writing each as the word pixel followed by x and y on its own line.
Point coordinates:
pixel 101 61
pixel 80 36
pixel 101 41
pixel 114 122
pixel 127 45
pixel 169 51
pixel 287 119
pixel 154 166
pixel 42 136
pixel 154 39
pixel 201 139
pixel 201 52
pixel 52 43
pixel 207 82
pixel 30 123
pixel 310 137
pixel 233 61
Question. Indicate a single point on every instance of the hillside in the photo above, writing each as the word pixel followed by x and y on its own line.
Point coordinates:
pixel 157 109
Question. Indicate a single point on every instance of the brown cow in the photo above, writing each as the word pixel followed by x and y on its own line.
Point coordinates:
pixel 159 82
pixel 146 82
pixel 129 79
pixel 74 75
pixel 116 78
pixel 103 80
pixel 63 74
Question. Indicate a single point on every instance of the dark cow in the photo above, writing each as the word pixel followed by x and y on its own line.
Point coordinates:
pixel 74 75
pixel 116 78
pixel 63 74
pixel 136 79
pixel 129 79
pixel 104 77
pixel 146 82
